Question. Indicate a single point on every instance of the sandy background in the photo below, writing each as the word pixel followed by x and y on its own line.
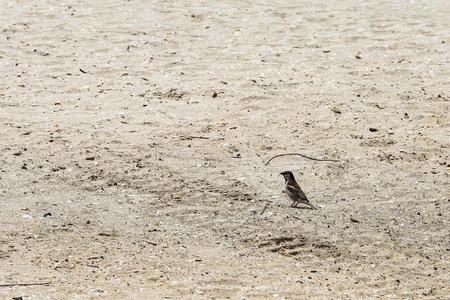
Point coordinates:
pixel 139 129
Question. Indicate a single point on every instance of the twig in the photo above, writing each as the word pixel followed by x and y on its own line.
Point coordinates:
pixel 95 257
pixel 191 137
pixel 265 207
pixel 387 157
pixel 93 266
pixel 302 155
pixel 24 284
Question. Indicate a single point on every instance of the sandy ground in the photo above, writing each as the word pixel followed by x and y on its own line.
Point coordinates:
pixel 134 136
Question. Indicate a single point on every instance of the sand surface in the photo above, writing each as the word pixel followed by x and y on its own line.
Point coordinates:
pixel 134 136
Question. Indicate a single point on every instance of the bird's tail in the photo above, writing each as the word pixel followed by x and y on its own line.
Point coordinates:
pixel 310 205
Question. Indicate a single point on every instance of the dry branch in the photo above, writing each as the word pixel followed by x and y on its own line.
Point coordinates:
pixel 302 155
pixel 24 284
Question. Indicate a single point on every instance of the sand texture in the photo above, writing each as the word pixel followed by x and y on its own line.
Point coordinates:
pixel 133 137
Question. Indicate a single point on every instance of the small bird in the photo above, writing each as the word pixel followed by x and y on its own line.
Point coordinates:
pixel 294 191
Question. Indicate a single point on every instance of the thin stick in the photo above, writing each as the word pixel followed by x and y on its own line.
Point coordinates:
pixel 302 155
pixel 387 157
pixel 191 137
pixel 265 207
pixel 24 284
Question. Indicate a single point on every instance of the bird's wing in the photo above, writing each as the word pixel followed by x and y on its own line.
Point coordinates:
pixel 295 189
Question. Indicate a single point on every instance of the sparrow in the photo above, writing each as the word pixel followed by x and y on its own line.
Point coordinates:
pixel 293 190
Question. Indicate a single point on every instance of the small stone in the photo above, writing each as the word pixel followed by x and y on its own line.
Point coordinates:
pixel 428 292
pixel 336 110
pixel 371 129
pixel 90 158
pixel 47 214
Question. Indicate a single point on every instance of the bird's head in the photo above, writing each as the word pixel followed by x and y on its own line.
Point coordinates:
pixel 288 176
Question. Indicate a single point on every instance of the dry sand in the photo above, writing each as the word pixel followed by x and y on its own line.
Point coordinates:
pixel 139 129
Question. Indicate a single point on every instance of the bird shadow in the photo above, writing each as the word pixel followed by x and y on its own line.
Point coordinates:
pixel 302 207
